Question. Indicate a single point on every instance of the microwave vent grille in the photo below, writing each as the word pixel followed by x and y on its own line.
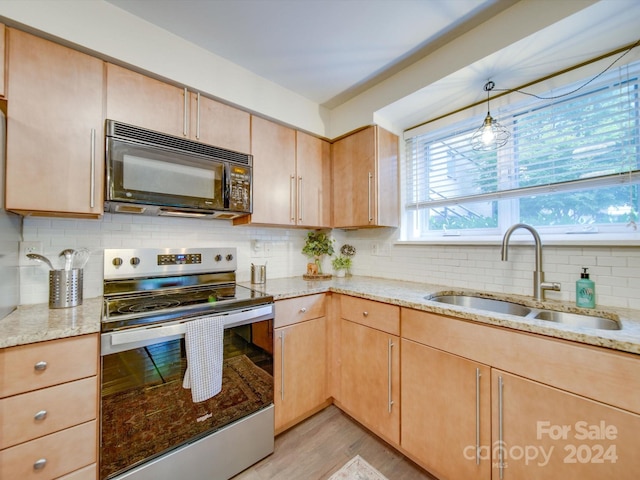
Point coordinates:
pixel 130 132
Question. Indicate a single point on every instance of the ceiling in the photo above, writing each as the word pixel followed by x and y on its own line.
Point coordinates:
pixel 325 50
pixel 330 51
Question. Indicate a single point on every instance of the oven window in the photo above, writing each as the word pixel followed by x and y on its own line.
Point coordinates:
pixel 146 412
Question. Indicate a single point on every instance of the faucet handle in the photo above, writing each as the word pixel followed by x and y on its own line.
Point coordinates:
pixel 555 286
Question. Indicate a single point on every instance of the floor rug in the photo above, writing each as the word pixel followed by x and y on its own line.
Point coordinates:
pixel 357 469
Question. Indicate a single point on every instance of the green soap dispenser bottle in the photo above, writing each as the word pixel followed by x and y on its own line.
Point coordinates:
pixel 585 291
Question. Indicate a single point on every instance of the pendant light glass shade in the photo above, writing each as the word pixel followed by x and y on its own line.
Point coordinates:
pixel 491 135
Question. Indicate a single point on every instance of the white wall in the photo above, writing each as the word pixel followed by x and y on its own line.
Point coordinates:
pixel 616 270
pixel 283 246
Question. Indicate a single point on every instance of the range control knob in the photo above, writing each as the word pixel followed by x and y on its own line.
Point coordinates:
pixel 135 261
pixel 218 258
pixel 229 257
pixel 117 262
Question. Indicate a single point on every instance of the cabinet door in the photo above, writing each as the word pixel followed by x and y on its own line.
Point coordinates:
pixel 54 129
pixel 547 433
pixel 300 371
pixel 274 154
pixel 217 124
pixel 313 181
pixel 145 102
pixel 446 408
pixel 370 378
pixel 353 179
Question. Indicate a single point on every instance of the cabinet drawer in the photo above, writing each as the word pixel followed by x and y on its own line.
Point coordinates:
pixel 59 453
pixel 63 405
pixel 90 472
pixel 294 310
pixel 372 314
pixel 40 365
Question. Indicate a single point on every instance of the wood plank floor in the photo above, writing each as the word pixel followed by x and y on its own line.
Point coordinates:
pixel 319 446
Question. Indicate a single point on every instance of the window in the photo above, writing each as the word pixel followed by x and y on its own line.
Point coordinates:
pixel 570 166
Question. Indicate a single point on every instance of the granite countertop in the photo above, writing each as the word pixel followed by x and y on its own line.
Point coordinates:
pixel 36 323
pixel 411 295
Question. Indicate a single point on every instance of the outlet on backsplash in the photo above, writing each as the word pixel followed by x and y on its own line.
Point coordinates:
pixel 26 248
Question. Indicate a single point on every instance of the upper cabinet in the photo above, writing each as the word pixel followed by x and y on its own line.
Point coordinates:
pixel 365 179
pixel 291 176
pixel 149 103
pixel 54 129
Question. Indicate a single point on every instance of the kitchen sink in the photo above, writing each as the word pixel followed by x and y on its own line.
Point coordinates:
pixel 503 306
pixel 481 303
pixel 578 320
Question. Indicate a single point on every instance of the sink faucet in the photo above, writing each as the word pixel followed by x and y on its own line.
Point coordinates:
pixel 539 285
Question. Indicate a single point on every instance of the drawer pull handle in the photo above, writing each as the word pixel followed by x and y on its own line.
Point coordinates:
pixel 40 464
pixel 40 366
pixel 41 415
pixel 365 314
pixel 303 310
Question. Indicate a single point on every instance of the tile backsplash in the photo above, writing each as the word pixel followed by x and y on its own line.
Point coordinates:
pixel 616 270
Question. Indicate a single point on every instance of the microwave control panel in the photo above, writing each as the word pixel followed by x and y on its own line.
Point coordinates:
pixel 240 188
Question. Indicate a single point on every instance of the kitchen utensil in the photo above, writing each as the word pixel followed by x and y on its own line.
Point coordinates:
pixel 65 288
pixel 67 253
pixel 80 258
pixel 40 258
pixel 258 273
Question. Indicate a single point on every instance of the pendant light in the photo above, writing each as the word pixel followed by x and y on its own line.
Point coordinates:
pixel 491 135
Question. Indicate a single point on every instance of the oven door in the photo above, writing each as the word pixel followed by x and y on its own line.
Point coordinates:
pixel 151 175
pixel 147 414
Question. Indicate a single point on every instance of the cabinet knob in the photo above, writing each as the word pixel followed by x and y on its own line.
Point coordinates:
pixel 41 415
pixel 303 310
pixel 365 314
pixel 40 366
pixel 40 464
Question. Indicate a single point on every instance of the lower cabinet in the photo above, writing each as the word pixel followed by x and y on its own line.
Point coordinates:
pixel 465 416
pixel 446 412
pixel 300 360
pixel 49 409
pixel 369 363
pixel 541 432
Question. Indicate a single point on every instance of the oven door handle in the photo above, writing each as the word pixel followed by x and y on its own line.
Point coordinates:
pixel 137 336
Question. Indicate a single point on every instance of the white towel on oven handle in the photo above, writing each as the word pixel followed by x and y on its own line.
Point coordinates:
pixel 204 342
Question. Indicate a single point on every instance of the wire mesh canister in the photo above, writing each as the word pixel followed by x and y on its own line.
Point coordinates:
pixel 65 288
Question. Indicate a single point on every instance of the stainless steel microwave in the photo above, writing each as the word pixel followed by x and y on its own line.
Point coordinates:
pixel 152 173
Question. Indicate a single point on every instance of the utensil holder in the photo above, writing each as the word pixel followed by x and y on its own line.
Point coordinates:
pixel 65 288
pixel 258 274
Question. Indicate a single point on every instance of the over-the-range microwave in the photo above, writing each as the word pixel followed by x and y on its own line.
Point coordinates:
pixel 152 173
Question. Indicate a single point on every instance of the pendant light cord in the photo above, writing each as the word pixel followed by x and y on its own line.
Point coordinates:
pixel 572 91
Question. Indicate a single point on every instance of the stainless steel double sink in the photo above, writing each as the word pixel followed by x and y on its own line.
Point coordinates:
pixel 610 322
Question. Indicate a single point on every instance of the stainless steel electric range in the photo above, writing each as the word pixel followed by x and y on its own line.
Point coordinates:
pixel 150 426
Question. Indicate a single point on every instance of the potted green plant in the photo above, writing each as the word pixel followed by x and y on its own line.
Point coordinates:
pixel 342 263
pixel 317 245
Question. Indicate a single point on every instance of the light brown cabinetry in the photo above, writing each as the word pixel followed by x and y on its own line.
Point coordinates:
pixel 2 60
pixel 143 101
pixel 549 413
pixel 300 359
pixel 370 365
pixel 291 176
pixel 48 409
pixel 365 179
pixel 54 129
pixel 435 382
pixel 560 435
